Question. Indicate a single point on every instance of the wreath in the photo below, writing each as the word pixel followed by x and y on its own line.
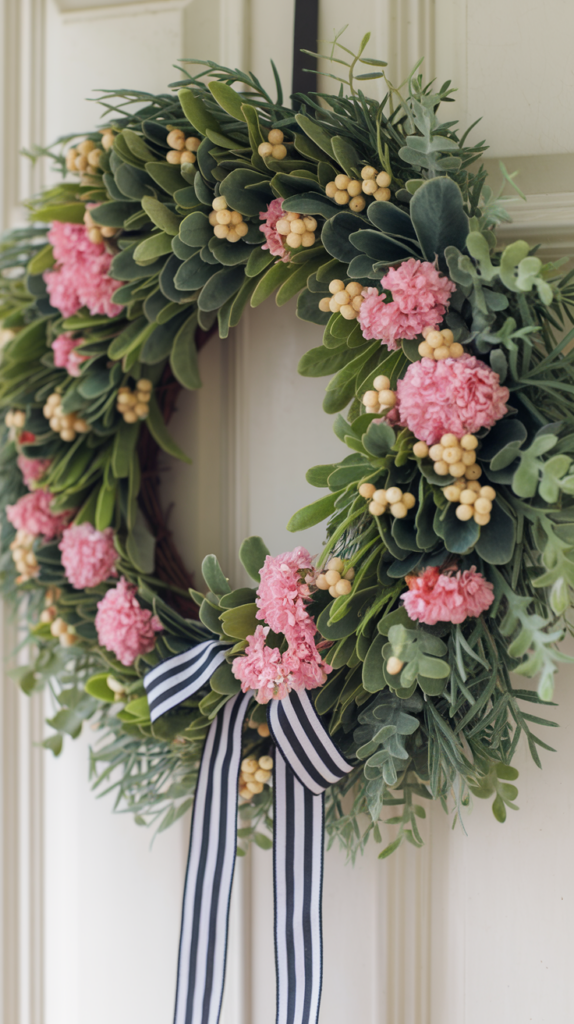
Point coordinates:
pixel 449 555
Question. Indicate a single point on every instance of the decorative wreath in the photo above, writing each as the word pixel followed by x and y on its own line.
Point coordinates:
pixel 449 557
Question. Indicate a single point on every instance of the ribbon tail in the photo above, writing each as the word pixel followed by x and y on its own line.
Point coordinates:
pixel 298 884
pixel 210 867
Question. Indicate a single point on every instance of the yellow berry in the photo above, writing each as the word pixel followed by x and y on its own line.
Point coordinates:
pixel 420 449
pixel 469 458
pixel 294 240
pixel 192 143
pixel 457 469
pixel 223 216
pixel 275 136
pixel 449 441
pixel 394 666
pixel 357 204
pixel 371 398
pixel 368 172
pixel 324 305
pixel 221 231
pixel 334 305
pixel 266 763
pixel 456 350
pixel 233 236
pixel 94 157
pixel 394 494
pixel 350 574
pixel 381 383
pixel 187 157
pixel 380 497
pixel 336 286
pixel 473 472
pixel 367 490
pixel 434 339
pixel 383 179
pixel 388 398
pixel 467 497
pixel 448 336
pixel 488 492
pixel 310 223
pixel 357 302
pixel 464 512
pixel 322 582
pixel 425 350
pixel 265 149
pixel 369 187
pixel 331 189
pixel 107 139
pixel 176 139
pixel 130 416
pixel 441 352
pixel 348 312
pixel 343 587
pixel 435 452
pixel 332 577
pixel 481 519
pixel 441 468
pixel 354 289
pixel 375 509
pixel 409 500
pixel 354 187
pixel 263 729
pixel 341 197
pixel 342 297
pixel 483 505
pixel 452 455
pixel 173 156
pixel 341 181
pixel 452 493
pixel 336 563
pixel 333 590
pixel 219 203
pixel 242 229
pixel 469 442
pixel 471 485
pixel 382 195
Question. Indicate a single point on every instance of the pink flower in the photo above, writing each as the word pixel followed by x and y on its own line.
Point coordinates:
pixel 65 355
pixel 420 298
pixel 281 598
pixel 274 241
pixel 80 277
pixel 123 626
pixel 31 469
pixel 32 514
pixel 272 674
pixel 447 597
pixel 88 555
pixel 456 396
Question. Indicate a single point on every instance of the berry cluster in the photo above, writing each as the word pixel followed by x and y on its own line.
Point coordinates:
pixel 381 399
pixel 50 611
pixel 86 155
pixel 274 146
pixel 261 728
pixel 67 425
pixel 473 501
pixel 453 456
pixel 134 405
pixel 345 190
pixel 181 150
pixel 253 775
pixel 439 345
pixel 392 500
pixel 227 223
pixel 346 299
pixel 118 689
pixel 97 232
pixel 335 579
pixel 296 230
pixel 15 418
pixel 23 556
pixel 65 633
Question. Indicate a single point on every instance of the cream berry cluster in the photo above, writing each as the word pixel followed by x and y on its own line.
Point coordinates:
pixel 352 191
pixel 226 223
pixel 439 345
pixel 23 556
pixel 261 728
pixel 335 579
pixel 453 456
pixel 15 418
pixel 392 500
pixel 134 405
pixel 472 500
pixel 65 633
pixel 381 398
pixel 86 155
pixel 50 612
pixel 181 150
pixel 296 230
pixel 274 146
pixel 346 299
pixel 97 232
pixel 67 425
pixel 253 775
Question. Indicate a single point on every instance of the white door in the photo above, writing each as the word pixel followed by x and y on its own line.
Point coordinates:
pixel 472 928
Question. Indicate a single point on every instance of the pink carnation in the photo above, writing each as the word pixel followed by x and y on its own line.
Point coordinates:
pixel 420 298
pixel 31 469
pixel 80 277
pixel 456 396
pixel 32 514
pixel 88 555
pixel 65 355
pixel 281 598
pixel 273 675
pixel 274 241
pixel 123 626
pixel 447 597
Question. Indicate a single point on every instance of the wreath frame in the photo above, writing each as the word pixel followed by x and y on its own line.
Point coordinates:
pixel 156 766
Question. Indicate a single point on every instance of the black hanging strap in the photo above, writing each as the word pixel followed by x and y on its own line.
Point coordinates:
pixel 305 37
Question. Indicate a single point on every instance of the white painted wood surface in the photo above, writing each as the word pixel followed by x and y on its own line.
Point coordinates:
pixel 472 928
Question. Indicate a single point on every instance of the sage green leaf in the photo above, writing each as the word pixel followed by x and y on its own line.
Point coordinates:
pixel 240 622
pixel 274 278
pixel 346 155
pixel 183 359
pixel 140 544
pixel 335 236
pixel 196 112
pixel 353 367
pixel 152 248
pixel 113 215
pixel 312 514
pixel 137 145
pixel 223 681
pixel 195 230
pixel 125 268
pixel 498 539
pixel 193 274
pixel 132 182
pixel 159 432
pixel 220 288
pixel 246 191
pixel 71 213
pixel 297 280
pixel 214 576
pixel 132 335
pixel 437 213
pixel 318 476
pixel 228 99
pixel 105 507
pixel 258 261
pixel 42 261
pixel 167 176
pixel 161 215
pixel 98 687
pixel 123 450
pixel 30 343
pixel 252 555
pixel 316 133
pixel 373 677
pixel 379 439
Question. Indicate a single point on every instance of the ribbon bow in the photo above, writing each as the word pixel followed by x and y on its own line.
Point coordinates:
pixel 306 762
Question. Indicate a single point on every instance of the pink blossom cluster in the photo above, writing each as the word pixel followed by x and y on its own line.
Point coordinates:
pixel 32 513
pixel 65 355
pixel 274 241
pixel 437 596
pixel 88 555
pixel 420 298
pixel 31 469
pixel 80 277
pixel 282 594
pixel 457 396
pixel 123 626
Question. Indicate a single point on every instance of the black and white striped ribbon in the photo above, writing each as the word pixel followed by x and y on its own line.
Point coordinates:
pixel 306 763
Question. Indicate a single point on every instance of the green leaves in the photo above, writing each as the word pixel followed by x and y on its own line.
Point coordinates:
pixel 159 432
pixel 526 477
pixel 423 655
pixel 494 783
pixel 314 513
pixel 252 555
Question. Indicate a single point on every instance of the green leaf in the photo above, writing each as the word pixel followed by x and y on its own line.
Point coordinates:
pixel 183 359
pixel 140 545
pixel 223 681
pixel 153 247
pixel 196 112
pixel 105 507
pixel 42 261
pixel 274 278
pixel 161 216
pixel 71 213
pixel 252 555
pixel 314 513
pixel 240 622
pixel 437 213
pixel 316 133
pixel 220 287
pixel 228 100
pixel 124 447
pixel 159 432
pixel 98 687
pixel 214 576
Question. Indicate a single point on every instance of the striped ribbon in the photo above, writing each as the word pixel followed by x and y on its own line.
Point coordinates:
pixel 306 762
